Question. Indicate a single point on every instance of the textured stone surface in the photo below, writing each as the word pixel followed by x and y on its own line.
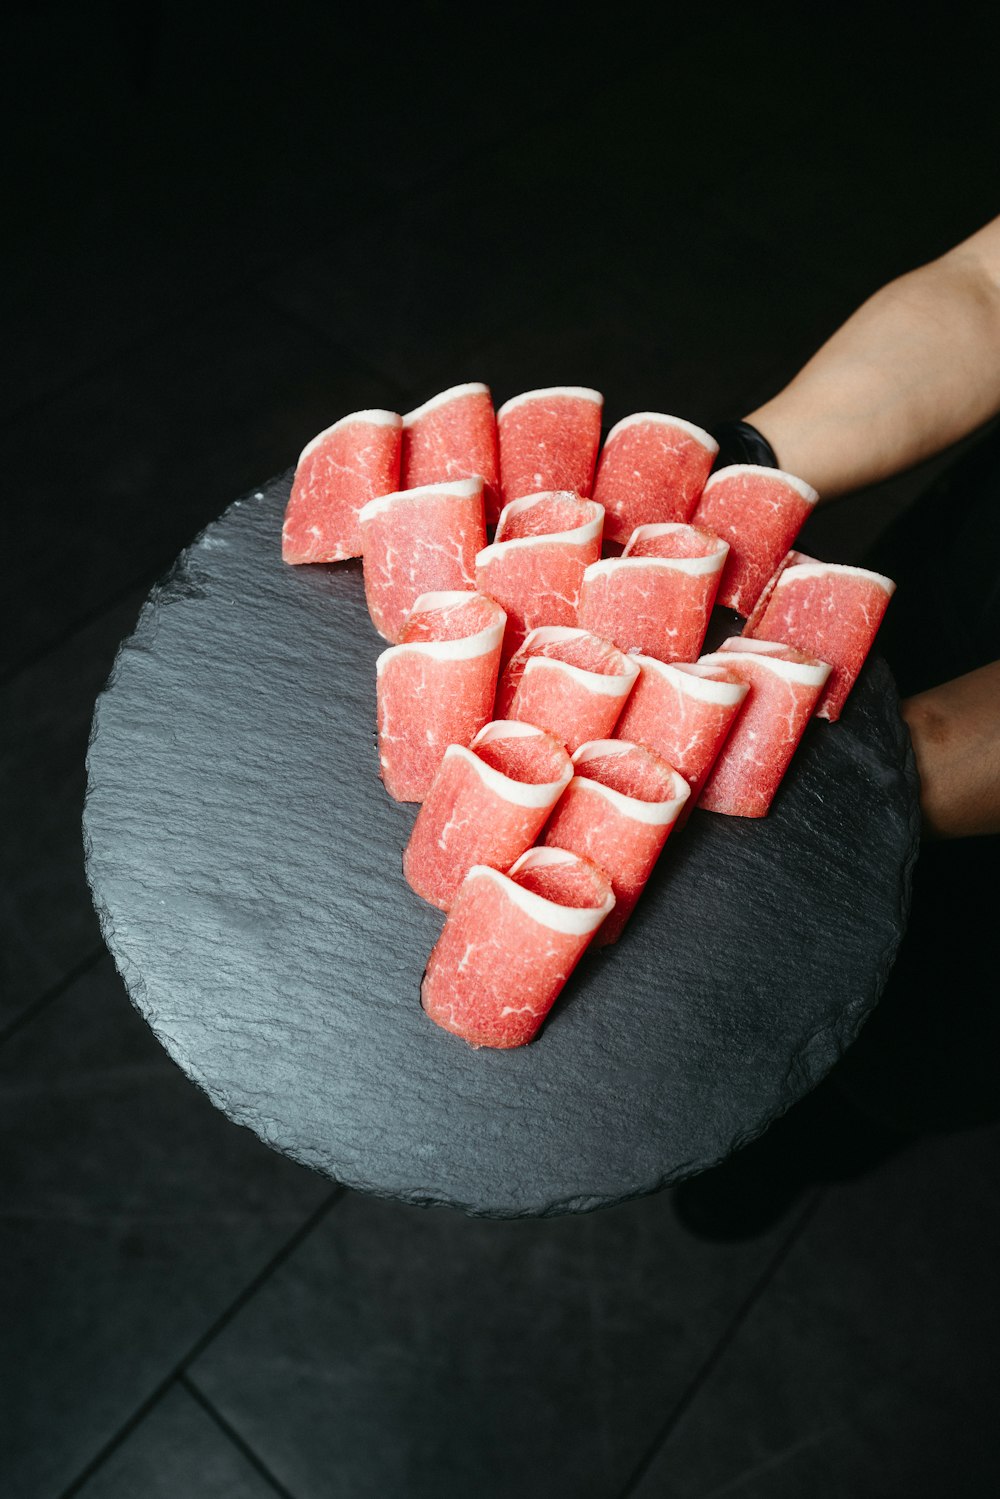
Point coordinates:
pixel 245 861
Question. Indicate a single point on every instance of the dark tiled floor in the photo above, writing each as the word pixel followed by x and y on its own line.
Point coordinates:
pixel 179 1448
pixel 135 1216
pixel 49 925
pixel 227 230
pixel 505 1358
pixel 867 1368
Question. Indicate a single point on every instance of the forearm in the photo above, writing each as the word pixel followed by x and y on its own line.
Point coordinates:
pixel 956 740
pixel 915 369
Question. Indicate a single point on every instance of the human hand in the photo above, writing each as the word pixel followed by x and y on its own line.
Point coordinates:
pixel 956 739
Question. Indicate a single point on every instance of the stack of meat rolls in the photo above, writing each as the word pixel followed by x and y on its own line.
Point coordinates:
pixel 547 706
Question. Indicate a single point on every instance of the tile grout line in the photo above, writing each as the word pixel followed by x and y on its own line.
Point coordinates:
pixel 233 1436
pixel 82 966
pixel 201 1343
pixel 719 1349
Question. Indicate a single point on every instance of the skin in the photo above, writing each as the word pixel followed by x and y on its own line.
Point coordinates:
pixel 956 738
pixel 913 371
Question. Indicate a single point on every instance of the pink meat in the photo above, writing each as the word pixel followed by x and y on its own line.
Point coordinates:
pixel 454 436
pixel 656 598
pixel 549 440
pixel 420 541
pixel 683 713
pixel 510 943
pixel 535 565
pixel 486 806
pixel 553 512
pixel 757 612
pixel 573 647
pixel 618 811
pixel 830 611
pixel 436 687
pixel 343 468
pixel 759 511
pixel 652 468
pixel 567 681
pixel 785 687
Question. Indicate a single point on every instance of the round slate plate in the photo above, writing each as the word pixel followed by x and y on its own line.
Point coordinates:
pixel 246 865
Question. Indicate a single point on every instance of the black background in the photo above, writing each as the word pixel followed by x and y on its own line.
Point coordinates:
pixel 224 228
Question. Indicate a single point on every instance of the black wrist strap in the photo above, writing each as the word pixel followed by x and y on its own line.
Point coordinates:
pixel 741 443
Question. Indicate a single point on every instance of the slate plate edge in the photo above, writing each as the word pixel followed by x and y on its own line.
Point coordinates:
pixel 832 1040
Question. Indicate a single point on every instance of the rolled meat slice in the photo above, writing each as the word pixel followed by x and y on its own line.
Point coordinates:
pixel 786 685
pixel 652 468
pixel 536 562
pixel 436 687
pixel 759 511
pixel 510 943
pixel 618 811
pixel 453 436
pixel 549 440
pixel 340 470
pixel 567 681
pixel 683 712
pixel 656 598
pixel 420 541
pixel 757 612
pixel 829 610
pixel 486 805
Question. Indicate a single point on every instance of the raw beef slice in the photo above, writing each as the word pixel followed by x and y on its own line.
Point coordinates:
pixel 420 541
pixel 618 811
pixel 549 440
pixel 453 436
pixel 486 806
pixel 567 681
pixel 652 468
pixel 828 610
pixel 436 687
pixel 683 712
pixel 510 943
pixel 759 511
pixel 536 562
pixel 343 468
pixel 656 598
pixel 785 686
